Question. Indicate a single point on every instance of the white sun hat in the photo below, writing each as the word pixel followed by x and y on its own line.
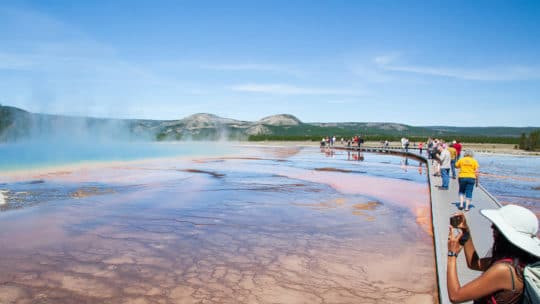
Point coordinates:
pixel 518 224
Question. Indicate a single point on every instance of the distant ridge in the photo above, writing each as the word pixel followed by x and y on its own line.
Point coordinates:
pixel 17 124
pixel 201 120
pixel 280 120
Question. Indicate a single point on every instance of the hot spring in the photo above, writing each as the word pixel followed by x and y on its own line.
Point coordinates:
pixel 198 223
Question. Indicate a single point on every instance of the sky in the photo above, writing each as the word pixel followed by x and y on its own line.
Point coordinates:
pixel 422 63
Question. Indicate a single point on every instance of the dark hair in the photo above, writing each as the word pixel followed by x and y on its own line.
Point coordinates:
pixel 502 248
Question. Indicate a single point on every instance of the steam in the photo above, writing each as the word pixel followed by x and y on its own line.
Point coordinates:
pixel 22 126
pixel 74 129
pixel 28 127
pixel 2 199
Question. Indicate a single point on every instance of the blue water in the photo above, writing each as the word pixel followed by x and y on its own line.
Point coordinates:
pixel 510 178
pixel 18 156
pixel 247 221
pixel 251 232
pixel 372 164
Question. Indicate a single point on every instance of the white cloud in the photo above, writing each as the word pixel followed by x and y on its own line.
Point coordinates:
pixel 380 68
pixel 386 59
pixel 369 69
pixel 482 74
pixel 284 89
pixel 254 67
pixel 244 67
pixel 64 71
pixel 372 73
pixel 15 62
pixel 342 101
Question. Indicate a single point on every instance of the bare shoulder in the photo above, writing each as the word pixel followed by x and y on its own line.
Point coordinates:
pixel 499 273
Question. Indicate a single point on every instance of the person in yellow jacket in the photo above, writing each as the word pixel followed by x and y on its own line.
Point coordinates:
pixel 468 175
pixel 453 159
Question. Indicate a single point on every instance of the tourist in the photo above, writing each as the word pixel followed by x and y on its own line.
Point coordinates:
pixel 444 159
pixel 458 147
pixel 435 161
pixel 430 148
pixel 453 159
pixel 468 175
pixel 515 245
pixel 434 152
pixel 420 146
pixel 406 145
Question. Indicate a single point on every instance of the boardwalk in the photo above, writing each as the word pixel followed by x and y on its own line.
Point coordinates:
pixel 443 205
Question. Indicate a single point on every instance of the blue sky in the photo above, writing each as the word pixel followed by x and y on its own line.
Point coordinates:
pixel 460 63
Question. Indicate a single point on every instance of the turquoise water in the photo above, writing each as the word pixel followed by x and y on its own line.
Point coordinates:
pixel 36 154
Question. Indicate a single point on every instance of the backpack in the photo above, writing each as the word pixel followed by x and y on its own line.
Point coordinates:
pixel 531 281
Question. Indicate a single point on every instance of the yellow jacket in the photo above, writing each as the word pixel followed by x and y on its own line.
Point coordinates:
pixel 468 167
pixel 453 153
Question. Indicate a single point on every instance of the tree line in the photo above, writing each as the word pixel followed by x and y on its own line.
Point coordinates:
pixel 530 142
pixel 317 138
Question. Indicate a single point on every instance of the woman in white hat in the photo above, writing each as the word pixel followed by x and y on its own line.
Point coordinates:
pixel 515 245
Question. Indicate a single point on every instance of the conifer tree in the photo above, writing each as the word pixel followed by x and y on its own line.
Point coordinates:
pixel 534 140
pixel 523 141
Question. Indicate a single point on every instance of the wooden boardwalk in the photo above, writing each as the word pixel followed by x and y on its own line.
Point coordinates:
pixel 443 204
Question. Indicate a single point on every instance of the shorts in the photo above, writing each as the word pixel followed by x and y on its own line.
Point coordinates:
pixel 466 186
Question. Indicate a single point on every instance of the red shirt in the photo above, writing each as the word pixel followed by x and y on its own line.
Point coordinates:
pixel 457 146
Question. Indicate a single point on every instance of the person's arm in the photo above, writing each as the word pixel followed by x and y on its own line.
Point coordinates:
pixel 473 261
pixel 495 278
pixel 476 173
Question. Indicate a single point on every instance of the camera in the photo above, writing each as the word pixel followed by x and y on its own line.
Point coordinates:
pixel 455 220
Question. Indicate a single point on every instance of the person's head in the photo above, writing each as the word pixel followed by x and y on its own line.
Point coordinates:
pixel 468 153
pixel 514 233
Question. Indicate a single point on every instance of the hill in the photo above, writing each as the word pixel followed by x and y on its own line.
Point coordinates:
pixel 17 124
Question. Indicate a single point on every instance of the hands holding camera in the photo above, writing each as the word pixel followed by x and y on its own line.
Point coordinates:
pixel 456 241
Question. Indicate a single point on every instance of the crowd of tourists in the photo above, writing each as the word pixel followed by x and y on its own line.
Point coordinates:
pixel 446 158
pixel 511 271
pixel 355 141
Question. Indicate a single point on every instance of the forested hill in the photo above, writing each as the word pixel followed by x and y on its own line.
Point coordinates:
pixel 17 124
pixel 483 131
